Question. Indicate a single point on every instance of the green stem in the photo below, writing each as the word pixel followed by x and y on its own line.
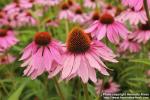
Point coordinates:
pixel 58 89
pixel 85 91
pixel 99 95
pixel 4 88
pixel 147 11
pixel 78 90
pixel 97 6
pixel 101 91
pixel 66 26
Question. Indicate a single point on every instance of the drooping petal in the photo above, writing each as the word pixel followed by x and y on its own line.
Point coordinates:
pixel 67 66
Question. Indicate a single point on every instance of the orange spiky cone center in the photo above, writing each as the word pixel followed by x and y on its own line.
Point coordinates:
pixel 92 0
pixel 106 18
pixel 78 11
pixel 16 1
pixel 31 1
pixel 42 38
pixel 109 7
pixel 1 14
pixel 96 16
pixel 78 41
pixel 70 2
pixel 3 32
pixel 65 6
pixel 28 14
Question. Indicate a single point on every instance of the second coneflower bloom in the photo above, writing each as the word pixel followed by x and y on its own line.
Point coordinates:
pixel 134 17
pixel 42 55
pixel 82 56
pixel 108 26
pixel 136 4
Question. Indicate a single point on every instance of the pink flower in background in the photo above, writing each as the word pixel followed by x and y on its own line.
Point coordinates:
pixel 82 56
pixel 65 12
pixel 25 18
pixel 107 26
pixel 93 3
pixel 110 9
pixel 12 20
pixel 142 35
pixel 7 59
pixel 72 4
pixel 3 18
pixel 108 87
pixel 13 23
pixel 136 4
pixel 12 8
pixel 42 55
pixel 7 39
pixel 148 72
pixel 54 23
pixel 52 2
pixel 19 19
pixel 93 16
pixel 129 44
pixel 79 16
pixel 134 17
pixel 11 11
pixel 26 4
pixel 90 4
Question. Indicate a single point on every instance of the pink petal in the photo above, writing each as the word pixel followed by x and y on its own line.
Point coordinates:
pixel 67 66
pixel 83 71
pixel 77 63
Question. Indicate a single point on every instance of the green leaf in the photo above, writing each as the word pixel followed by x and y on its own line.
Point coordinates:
pixel 17 93
pixel 91 90
pixel 143 61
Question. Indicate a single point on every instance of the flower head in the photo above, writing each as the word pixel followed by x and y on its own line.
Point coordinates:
pixel 52 2
pixel 72 4
pixel 134 17
pixel 65 12
pixel 26 18
pixel 95 16
pixel 83 41
pixel 42 55
pixel 79 16
pixel 7 59
pixel 26 4
pixel 7 39
pixel 106 19
pixel 108 26
pixel 81 57
pixel 136 4
pixel 90 3
pixel 53 23
pixel 142 35
pixel 130 45
pixel 108 87
pixel 110 9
